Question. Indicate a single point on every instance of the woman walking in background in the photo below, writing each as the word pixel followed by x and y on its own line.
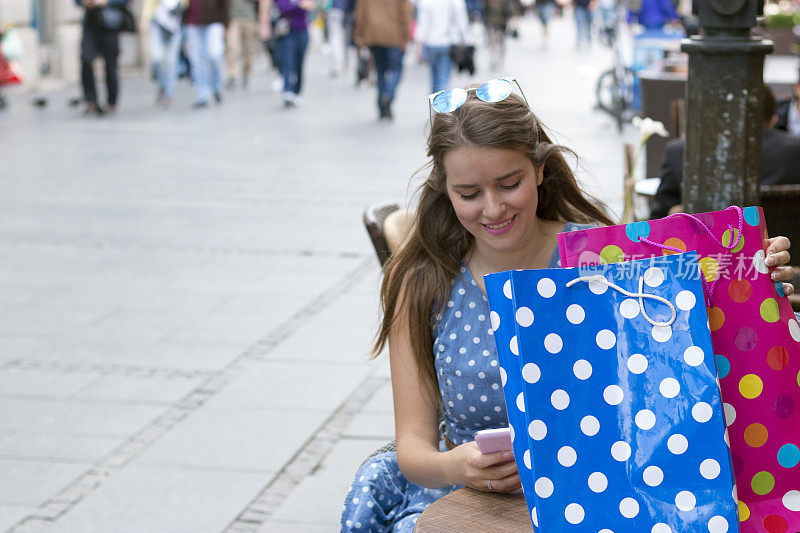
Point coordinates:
pixel 291 40
pixel 440 24
pixel 161 20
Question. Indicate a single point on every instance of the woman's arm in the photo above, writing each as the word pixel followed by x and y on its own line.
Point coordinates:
pixel 417 428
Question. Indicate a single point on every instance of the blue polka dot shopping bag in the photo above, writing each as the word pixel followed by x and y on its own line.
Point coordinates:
pixel 611 388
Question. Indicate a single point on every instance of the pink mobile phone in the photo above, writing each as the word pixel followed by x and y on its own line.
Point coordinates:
pixel 494 440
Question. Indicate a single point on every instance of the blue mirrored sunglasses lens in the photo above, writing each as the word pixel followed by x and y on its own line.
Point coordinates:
pixel 494 90
pixel 448 101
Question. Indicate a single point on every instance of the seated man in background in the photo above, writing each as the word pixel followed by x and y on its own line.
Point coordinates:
pixel 780 162
pixel 788 111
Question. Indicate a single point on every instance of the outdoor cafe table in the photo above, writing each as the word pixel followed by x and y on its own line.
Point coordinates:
pixel 467 510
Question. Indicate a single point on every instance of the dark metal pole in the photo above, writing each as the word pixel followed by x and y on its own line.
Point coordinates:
pixel 724 118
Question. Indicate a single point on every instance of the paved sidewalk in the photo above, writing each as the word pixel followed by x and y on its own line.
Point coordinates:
pixel 187 297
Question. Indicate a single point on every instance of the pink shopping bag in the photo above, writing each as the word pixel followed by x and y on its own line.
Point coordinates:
pixel 756 341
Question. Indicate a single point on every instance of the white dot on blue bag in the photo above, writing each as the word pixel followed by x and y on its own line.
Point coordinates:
pixel 507 289
pixel 531 373
pixel 534 517
pixel 637 363
pixel 677 444
pixel 553 343
pixel 513 346
pixel 693 355
pixel 702 412
pixel 645 419
pixel 597 287
pixel 574 513
pixel 653 476
pixel 620 451
pixel 685 300
pixel 653 276
pixel 537 430
pixel 717 524
pixel 669 387
pixel 503 376
pixel 662 333
pixel 685 501
pixel 543 487
pixel 526 459
pixel 629 308
pixel 575 314
pixel 613 395
pixel 559 399
pixel 606 339
pixel 597 482
pixel 590 425
pixel 495 319
pixel 628 507
pixel 521 402
pixel 546 287
pixel 566 456
pixel 582 369
pixel 709 469
pixel 661 527
pixel 524 317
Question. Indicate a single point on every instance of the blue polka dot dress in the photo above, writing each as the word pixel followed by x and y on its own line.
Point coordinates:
pixel 465 359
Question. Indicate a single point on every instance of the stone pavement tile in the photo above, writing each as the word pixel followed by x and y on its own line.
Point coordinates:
pixel 31 482
pixel 291 385
pixel 155 499
pixel 287 526
pixel 317 342
pixel 16 346
pixel 57 446
pixel 372 425
pixel 328 486
pixel 147 389
pixel 11 514
pixel 44 383
pixel 381 401
pixel 235 438
pixel 74 417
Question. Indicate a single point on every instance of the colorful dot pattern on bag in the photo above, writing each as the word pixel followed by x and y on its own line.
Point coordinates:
pixel 756 342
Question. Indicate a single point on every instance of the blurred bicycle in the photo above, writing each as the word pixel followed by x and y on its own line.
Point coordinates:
pixel 614 90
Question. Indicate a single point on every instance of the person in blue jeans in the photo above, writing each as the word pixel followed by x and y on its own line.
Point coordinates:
pixel 162 21
pixel 291 41
pixel 383 26
pixel 583 22
pixel 440 24
pixel 204 30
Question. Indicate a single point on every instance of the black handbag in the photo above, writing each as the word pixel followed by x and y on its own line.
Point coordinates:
pixel 463 57
pixel 117 18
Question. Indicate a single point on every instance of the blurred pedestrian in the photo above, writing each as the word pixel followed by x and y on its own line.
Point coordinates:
pixel 102 22
pixel 384 26
pixel 205 22
pixel 336 22
pixel 241 41
pixel 583 22
pixel 788 112
pixel 496 17
pixel 440 25
pixel 291 40
pixel 161 20
pixel 545 9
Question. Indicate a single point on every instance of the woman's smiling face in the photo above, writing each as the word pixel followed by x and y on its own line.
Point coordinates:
pixel 494 195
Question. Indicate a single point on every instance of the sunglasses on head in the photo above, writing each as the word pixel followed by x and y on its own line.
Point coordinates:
pixel 492 91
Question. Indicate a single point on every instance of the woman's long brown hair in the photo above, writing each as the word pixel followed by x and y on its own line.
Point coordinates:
pixel 425 266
